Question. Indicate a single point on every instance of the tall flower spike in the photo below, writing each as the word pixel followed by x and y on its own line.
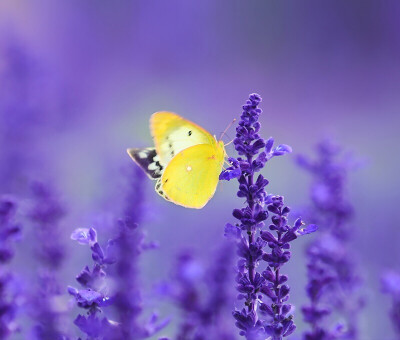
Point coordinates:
pixel 203 311
pixel 333 281
pixel 260 319
pixel 9 232
pixel 116 285
pixel 94 294
pixel 129 245
pixel 46 215
pixel 17 118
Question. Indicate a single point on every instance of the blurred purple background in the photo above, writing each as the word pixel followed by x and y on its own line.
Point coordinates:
pixel 79 81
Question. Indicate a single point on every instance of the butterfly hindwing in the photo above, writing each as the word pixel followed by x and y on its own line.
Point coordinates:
pixel 191 177
pixel 148 160
pixel 172 134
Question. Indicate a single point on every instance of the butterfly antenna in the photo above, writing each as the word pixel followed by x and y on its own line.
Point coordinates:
pixel 227 128
pixel 229 143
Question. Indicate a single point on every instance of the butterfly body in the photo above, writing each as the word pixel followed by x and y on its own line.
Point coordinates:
pixel 186 160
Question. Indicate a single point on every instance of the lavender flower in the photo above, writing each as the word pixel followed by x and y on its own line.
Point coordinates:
pixel 95 293
pixel 128 301
pixel 333 279
pixel 118 287
pixel 129 245
pixel 391 285
pixel 9 231
pixel 130 240
pixel 203 310
pixel 46 214
pixel 260 319
pixel 16 113
pixel 33 101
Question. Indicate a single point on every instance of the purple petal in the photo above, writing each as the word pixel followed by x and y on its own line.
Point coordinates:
pixel 269 145
pixel 307 229
pixel 82 235
pixel 282 150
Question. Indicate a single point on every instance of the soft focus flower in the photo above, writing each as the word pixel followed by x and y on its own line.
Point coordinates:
pixel 33 103
pixel 129 244
pixel 46 214
pixel 333 280
pixel 9 232
pixel 260 319
pixel 390 282
pixel 203 295
pixel 46 309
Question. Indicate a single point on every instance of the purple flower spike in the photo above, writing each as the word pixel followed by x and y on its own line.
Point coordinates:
pixel 46 214
pixel 260 320
pixel 95 293
pixel 205 313
pixel 129 244
pixel 101 289
pixel 333 280
pixel 9 232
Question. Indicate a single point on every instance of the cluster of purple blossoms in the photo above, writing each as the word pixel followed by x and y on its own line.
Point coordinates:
pixel 260 319
pixel 116 285
pixel 45 215
pixel 333 281
pixel 203 295
pixel 9 231
pixel 95 293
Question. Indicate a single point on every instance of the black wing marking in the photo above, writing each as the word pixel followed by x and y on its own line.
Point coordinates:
pixel 148 160
pixel 160 191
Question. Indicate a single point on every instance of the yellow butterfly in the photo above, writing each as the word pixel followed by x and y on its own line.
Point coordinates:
pixel 186 160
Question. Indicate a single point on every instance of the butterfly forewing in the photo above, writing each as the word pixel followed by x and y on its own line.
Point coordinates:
pixel 148 160
pixel 172 134
pixel 191 177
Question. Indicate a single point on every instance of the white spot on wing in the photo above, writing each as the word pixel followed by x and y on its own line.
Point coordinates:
pixel 152 166
pixel 142 154
pixel 189 168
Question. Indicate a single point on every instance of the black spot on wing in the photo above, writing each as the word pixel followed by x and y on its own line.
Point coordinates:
pixel 170 146
pixel 189 133
pixel 147 159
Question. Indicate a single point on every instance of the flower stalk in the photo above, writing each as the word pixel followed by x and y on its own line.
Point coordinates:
pixel 260 319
